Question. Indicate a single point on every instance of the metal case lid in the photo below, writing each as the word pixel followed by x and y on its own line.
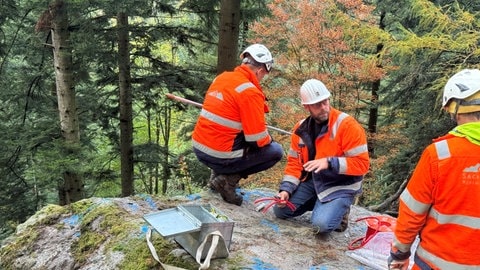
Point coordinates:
pixel 172 222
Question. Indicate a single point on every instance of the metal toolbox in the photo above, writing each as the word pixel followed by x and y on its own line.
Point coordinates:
pixel 189 224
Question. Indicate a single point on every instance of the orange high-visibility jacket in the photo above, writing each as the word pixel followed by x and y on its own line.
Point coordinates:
pixel 441 204
pixel 233 116
pixel 344 140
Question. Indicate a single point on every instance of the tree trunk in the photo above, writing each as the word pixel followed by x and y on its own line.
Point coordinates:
pixel 72 189
pixel 125 103
pixel 157 141
pixel 373 114
pixel 166 127
pixel 151 175
pixel 229 30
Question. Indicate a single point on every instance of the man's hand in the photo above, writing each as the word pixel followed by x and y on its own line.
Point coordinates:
pixel 397 264
pixel 316 165
pixel 284 196
pixel 398 260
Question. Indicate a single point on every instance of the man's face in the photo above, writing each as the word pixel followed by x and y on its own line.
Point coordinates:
pixel 320 110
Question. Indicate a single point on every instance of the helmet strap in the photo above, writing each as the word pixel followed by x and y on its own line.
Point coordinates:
pixel 457 105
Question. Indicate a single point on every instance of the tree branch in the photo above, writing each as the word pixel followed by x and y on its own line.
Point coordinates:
pixel 385 204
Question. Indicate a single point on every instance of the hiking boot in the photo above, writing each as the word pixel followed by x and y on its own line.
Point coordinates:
pixel 210 181
pixel 344 223
pixel 225 185
pixel 212 176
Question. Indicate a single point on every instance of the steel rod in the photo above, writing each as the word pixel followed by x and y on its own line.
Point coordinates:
pixel 199 105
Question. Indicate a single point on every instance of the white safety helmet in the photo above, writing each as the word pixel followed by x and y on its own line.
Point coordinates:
pixel 313 91
pixel 462 92
pixel 259 53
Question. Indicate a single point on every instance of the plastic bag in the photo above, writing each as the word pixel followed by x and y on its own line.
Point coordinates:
pixel 375 224
pixel 373 249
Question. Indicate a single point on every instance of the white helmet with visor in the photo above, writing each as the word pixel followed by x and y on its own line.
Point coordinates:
pixel 260 54
pixel 462 92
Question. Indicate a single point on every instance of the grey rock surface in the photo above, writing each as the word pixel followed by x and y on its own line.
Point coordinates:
pixel 259 240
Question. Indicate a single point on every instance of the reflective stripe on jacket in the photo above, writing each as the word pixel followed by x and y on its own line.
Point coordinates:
pixel 344 139
pixel 233 116
pixel 441 204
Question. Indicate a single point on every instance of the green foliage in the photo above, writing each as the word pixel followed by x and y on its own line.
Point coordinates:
pixel 173 50
pixel 431 41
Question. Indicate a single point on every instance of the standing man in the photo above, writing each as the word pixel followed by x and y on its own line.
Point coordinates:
pixel 441 203
pixel 327 160
pixel 231 135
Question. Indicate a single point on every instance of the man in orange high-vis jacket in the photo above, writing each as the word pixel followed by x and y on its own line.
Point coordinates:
pixel 441 203
pixel 326 163
pixel 231 135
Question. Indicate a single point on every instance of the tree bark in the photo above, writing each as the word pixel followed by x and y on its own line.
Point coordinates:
pixel 72 189
pixel 166 127
pixel 373 113
pixel 228 35
pixel 125 103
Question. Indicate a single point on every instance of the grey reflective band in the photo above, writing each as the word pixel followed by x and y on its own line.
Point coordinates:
pixel 400 246
pixel 291 179
pixel 356 151
pixel 342 165
pixel 221 120
pixel 215 153
pixel 462 220
pixel 292 153
pixel 256 137
pixel 354 187
pixel 443 151
pixel 414 205
pixel 337 124
pixel 441 263
pixel 242 87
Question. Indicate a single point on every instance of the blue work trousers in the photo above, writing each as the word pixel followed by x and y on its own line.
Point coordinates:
pixel 326 216
pixel 252 162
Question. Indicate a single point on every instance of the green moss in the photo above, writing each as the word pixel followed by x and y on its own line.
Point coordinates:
pixel 27 234
pixel 120 232
pixel 87 244
pixel 22 244
pixel 102 225
pixel 81 207
pixel 138 256
pixel 46 216
pixel 95 228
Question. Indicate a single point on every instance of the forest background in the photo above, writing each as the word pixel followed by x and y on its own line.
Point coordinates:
pixel 83 106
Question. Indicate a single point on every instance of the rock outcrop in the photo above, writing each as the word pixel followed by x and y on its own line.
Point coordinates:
pixel 110 233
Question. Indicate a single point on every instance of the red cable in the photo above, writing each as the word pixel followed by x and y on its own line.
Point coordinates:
pixel 274 200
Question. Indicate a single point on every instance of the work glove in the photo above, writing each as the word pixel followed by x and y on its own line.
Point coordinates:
pixel 398 260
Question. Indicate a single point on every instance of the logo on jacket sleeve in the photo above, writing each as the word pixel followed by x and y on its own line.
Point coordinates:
pixel 471 175
pixel 473 169
pixel 216 94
